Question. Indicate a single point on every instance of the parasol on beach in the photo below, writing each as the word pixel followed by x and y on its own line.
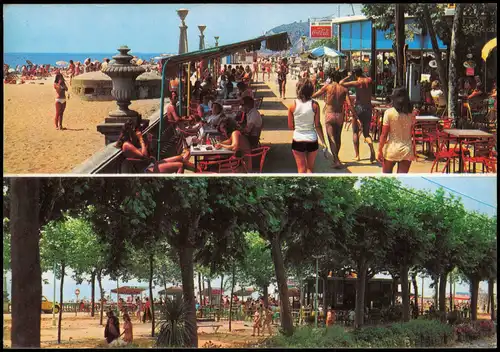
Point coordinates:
pixel 139 62
pixel 12 70
pixel 29 62
pixel 61 63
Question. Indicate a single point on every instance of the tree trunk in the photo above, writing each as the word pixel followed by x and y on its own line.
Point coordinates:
pixel 187 273
pixel 200 292
pixel 360 295
pixel 209 286
pixel 441 65
pixel 25 262
pixel 442 292
pixel 325 291
pixel 203 288
pixel 491 299
pixel 279 267
pixel 61 302
pixel 231 299
pixel 451 292
pixel 453 108
pixel 436 291
pixel 405 295
pixel 221 292
pixel 415 289
pixel 92 298
pixel 265 289
pixel 101 292
pixel 474 293
pixel 400 43
pixel 394 290
pixel 151 264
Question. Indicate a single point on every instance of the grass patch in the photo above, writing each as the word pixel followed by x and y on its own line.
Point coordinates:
pixel 416 333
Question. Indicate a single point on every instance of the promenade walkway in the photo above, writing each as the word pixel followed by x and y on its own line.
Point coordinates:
pixel 277 135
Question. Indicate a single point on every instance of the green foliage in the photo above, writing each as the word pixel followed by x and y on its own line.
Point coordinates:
pixel 6 245
pixel 417 333
pixel 257 265
pixel 174 327
pixel 331 43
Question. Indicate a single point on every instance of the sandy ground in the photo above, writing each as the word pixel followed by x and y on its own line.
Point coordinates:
pixel 31 142
pixel 277 135
pixel 85 332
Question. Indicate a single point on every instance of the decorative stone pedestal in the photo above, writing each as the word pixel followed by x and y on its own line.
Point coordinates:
pixel 123 75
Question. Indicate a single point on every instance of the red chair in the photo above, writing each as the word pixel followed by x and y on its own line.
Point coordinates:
pixel 231 165
pixel 425 133
pixel 257 152
pixel 444 153
pixel 483 154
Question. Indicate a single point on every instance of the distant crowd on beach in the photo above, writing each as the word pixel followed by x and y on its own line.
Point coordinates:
pixel 29 72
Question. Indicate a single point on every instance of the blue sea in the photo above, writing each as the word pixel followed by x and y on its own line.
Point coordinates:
pixel 13 59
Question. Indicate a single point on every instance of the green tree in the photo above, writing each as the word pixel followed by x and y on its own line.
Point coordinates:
pixel 331 43
pixel 65 243
pixel 257 265
pixel 481 253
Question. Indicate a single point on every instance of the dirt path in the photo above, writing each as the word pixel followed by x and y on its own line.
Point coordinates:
pixel 84 331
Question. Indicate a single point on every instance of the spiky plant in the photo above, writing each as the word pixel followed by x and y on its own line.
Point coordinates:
pixel 174 327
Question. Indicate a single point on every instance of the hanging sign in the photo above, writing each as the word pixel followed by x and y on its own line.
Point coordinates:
pixel 320 31
pixel 469 71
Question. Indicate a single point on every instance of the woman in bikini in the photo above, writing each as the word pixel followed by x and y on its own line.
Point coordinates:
pixel 336 96
pixel 71 71
pixel 61 88
pixel 236 142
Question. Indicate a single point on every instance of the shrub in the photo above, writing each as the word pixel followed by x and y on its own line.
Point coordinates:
pixel 174 327
pixel 486 327
pixel 416 333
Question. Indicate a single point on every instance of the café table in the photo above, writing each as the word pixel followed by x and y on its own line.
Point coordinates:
pixel 427 118
pixel 462 135
pixel 207 150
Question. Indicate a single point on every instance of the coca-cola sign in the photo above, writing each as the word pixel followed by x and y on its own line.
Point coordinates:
pixel 321 32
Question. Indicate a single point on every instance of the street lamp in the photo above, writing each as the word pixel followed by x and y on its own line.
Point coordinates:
pixel 202 27
pixel 183 42
pixel 316 311
pixel 216 40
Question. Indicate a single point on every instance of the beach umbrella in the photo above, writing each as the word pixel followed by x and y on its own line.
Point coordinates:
pixel 12 70
pixel 61 63
pixel 29 62
pixel 492 44
pixel 139 62
pixel 325 51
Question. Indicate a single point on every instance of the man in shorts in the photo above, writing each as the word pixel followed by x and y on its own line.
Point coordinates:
pixel 363 108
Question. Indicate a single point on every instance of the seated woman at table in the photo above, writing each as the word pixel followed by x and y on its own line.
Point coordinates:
pixel 396 145
pixel 239 75
pixel 131 141
pixel 229 86
pixel 173 165
pixel 236 142
pixel 244 91
pixel 475 99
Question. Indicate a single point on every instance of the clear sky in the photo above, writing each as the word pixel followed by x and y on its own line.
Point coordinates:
pixel 145 28
pixel 481 188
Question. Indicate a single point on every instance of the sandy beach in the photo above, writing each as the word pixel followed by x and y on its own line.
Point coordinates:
pixel 32 145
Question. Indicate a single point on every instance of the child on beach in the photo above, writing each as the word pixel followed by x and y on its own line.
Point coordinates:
pixel 256 322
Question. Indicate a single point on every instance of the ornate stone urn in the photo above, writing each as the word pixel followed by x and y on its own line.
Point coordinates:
pixel 123 75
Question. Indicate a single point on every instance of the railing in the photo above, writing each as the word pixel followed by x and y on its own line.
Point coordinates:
pixel 109 160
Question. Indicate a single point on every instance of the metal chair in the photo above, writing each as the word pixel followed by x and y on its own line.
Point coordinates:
pixel 258 152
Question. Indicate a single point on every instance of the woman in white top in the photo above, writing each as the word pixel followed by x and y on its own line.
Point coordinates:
pixel 304 120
